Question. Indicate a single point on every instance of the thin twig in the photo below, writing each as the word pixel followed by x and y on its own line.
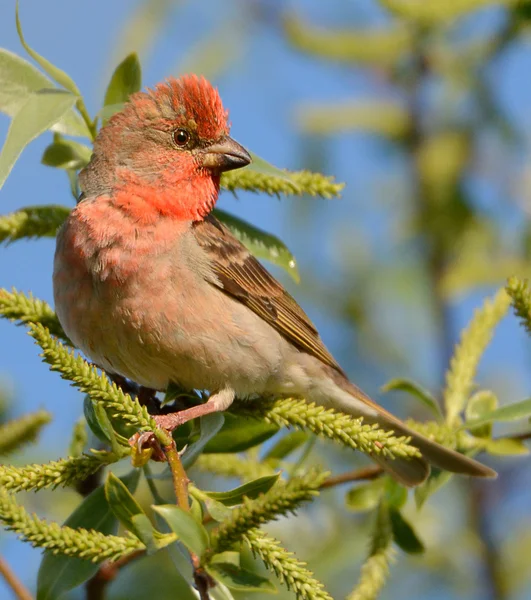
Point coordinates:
pixel 179 476
pixel 526 435
pixel 366 473
pixel 18 588
pixel 180 485
pixel 108 572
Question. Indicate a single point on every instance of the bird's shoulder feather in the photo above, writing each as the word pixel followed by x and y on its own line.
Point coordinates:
pixel 239 274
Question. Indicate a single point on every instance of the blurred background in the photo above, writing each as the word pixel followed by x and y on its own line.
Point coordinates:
pixel 422 109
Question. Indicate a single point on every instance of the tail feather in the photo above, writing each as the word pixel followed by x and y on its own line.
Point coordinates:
pixel 407 471
pixel 414 471
pixel 440 456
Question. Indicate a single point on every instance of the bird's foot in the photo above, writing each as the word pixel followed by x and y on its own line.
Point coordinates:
pixel 146 445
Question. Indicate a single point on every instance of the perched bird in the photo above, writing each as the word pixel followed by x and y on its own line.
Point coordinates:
pixel 150 286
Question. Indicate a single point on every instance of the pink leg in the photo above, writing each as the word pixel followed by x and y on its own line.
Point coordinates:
pixel 216 403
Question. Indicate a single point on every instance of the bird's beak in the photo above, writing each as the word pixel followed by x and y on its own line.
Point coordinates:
pixel 224 155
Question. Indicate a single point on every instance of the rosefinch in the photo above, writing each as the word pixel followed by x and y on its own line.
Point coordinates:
pixel 152 287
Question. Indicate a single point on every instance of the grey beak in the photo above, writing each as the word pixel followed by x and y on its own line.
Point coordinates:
pixel 224 155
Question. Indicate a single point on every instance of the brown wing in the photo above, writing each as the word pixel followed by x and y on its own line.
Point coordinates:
pixel 240 275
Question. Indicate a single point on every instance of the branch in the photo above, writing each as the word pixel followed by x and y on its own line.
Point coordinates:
pixel 18 588
pixel 180 479
pixel 365 474
pixel 180 485
pixel 108 571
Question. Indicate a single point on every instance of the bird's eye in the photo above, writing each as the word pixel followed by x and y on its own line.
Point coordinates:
pixel 181 137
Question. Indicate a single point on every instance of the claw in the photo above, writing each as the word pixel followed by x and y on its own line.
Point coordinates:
pixel 145 446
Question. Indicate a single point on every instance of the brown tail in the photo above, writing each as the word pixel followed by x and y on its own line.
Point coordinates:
pixel 415 471
pixel 432 453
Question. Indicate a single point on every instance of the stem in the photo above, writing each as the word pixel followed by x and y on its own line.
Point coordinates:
pixel 180 485
pixel 367 473
pixel 180 479
pixel 17 587
pixel 96 587
pixel 80 105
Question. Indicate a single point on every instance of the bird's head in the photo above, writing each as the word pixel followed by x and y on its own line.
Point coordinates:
pixel 167 147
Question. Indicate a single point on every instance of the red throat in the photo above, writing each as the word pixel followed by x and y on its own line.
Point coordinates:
pixel 183 198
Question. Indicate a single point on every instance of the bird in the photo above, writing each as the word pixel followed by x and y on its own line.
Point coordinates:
pixel 150 286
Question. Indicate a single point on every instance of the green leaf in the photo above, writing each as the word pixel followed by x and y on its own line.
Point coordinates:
pixel 251 490
pixel 219 512
pixel 54 72
pixel 511 412
pixel 74 184
pixel 411 387
pixel 239 579
pixel 100 430
pixel 196 508
pixel 221 592
pixel 66 154
pixel 435 481
pixel 404 535
pixel 260 244
pixel 122 503
pixel 191 533
pixel 210 426
pixel 126 80
pixel 59 573
pixel 230 557
pixel 286 445
pixel 481 403
pixel 239 434
pixel 107 112
pixel 506 447
pixel 40 111
pixel 366 496
pixel 153 539
pixel 395 494
pixel 107 428
pixel 19 79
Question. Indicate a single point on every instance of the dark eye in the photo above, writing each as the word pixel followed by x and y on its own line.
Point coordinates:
pixel 181 137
